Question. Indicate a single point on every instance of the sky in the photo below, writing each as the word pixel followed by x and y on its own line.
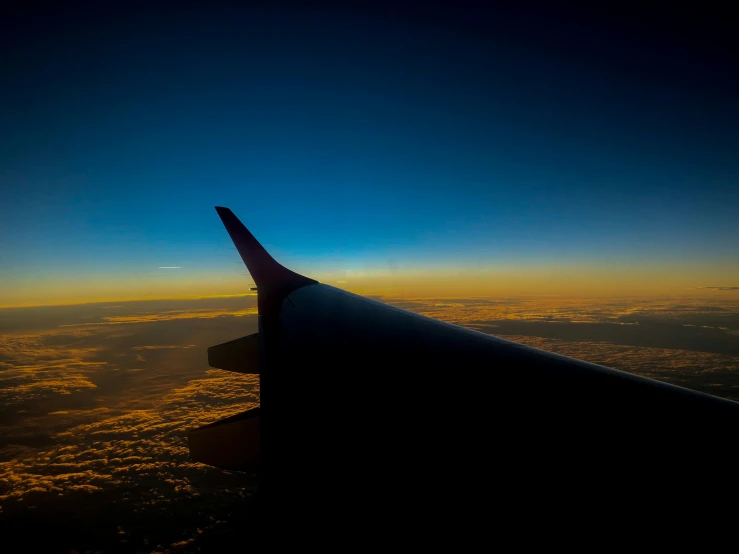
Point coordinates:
pixel 433 149
pixel 563 179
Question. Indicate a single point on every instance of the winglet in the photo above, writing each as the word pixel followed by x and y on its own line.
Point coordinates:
pixel 263 267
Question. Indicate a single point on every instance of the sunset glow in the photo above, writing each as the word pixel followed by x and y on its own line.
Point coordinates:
pixel 567 179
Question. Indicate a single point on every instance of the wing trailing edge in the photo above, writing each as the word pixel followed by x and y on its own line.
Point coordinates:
pixel 233 443
pixel 240 355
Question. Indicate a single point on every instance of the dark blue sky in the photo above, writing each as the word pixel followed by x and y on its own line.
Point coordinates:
pixel 348 138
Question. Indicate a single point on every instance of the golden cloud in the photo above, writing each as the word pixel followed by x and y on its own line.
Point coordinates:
pixel 166 316
pixel 94 426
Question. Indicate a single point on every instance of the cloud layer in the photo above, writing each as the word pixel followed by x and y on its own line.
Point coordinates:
pixel 97 402
pixel 95 429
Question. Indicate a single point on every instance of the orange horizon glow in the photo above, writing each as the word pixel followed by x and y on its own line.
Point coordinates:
pixel 561 281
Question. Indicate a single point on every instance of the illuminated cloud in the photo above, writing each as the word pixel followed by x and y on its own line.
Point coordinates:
pixel 718 288
pixel 31 369
pixel 123 448
pixel 166 316
pixel 91 426
pixel 98 413
pixel 160 346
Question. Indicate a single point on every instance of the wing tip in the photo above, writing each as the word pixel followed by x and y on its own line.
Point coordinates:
pixel 262 267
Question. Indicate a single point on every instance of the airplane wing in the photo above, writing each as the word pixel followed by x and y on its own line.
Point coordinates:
pixel 361 400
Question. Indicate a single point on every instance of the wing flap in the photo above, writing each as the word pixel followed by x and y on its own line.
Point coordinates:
pixel 240 355
pixel 233 443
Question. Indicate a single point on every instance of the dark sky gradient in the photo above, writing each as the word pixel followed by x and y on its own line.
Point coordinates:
pixel 417 136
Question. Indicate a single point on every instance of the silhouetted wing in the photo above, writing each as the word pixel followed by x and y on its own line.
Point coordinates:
pixel 358 396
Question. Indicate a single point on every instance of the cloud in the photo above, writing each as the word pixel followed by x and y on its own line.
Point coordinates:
pixel 94 420
pixel 90 433
pixel 32 369
pixel 160 346
pixel 166 316
pixel 718 288
pixel 130 459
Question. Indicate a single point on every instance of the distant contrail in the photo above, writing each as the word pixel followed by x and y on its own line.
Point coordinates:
pixel 170 267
